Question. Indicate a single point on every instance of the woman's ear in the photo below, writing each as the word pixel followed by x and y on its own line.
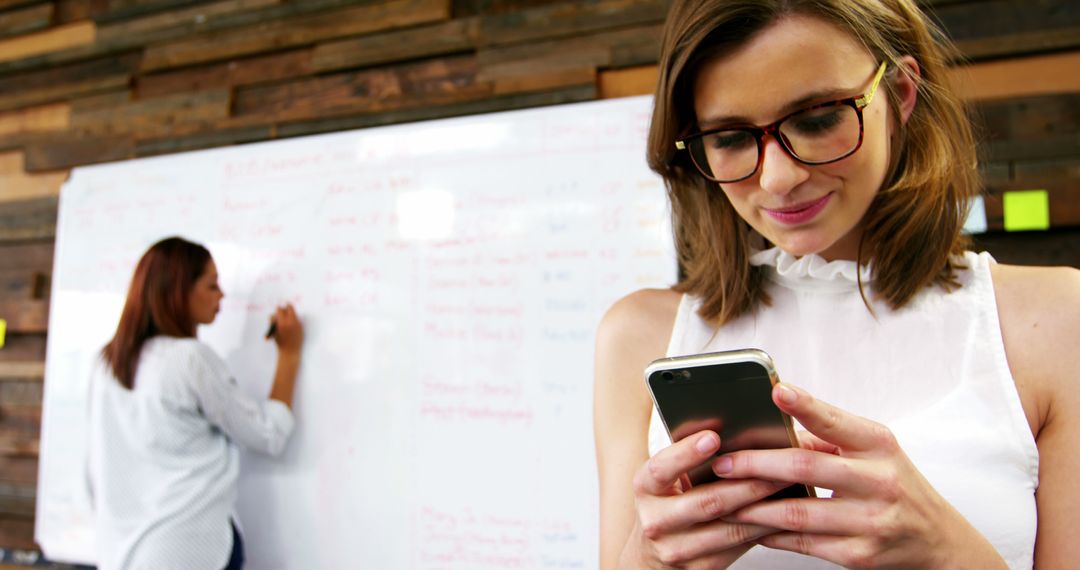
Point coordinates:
pixel 907 86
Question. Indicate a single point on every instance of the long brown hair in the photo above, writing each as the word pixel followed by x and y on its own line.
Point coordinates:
pixel 157 303
pixel 912 229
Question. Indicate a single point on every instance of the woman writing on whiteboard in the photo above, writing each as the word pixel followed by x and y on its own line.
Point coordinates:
pixel 166 418
pixel 819 172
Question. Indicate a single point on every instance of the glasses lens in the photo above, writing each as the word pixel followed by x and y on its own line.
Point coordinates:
pixel 725 155
pixel 823 134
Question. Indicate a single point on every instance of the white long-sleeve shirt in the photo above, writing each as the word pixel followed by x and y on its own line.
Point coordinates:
pixel 163 463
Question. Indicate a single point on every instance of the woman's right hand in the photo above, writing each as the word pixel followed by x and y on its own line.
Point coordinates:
pixel 683 527
pixel 288 331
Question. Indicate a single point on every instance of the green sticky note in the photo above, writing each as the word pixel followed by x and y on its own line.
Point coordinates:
pixel 1027 210
pixel 3 332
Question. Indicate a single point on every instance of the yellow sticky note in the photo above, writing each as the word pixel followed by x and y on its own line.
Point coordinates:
pixel 3 332
pixel 1026 210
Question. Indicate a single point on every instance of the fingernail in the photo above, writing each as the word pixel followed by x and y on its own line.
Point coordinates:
pixel 787 395
pixel 723 465
pixel 706 443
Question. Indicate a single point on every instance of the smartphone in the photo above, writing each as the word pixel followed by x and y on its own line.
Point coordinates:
pixel 729 393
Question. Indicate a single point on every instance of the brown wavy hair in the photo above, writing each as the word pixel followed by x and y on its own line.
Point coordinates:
pixel 158 302
pixel 912 229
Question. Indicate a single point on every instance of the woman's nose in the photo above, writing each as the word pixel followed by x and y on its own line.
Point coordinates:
pixel 780 173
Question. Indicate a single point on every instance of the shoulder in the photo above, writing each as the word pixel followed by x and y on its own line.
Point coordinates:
pixel 635 331
pixel 189 354
pixel 182 346
pixel 1039 310
pixel 1039 303
pixel 644 317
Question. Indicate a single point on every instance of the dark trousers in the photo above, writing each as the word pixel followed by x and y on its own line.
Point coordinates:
pixel 236 559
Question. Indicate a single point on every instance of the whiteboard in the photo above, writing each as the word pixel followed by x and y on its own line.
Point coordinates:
pixel 450 275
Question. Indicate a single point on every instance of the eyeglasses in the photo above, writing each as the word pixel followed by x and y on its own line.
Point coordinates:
pixel 820 134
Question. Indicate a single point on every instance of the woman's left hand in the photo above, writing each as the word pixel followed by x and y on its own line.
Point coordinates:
pixel 883 512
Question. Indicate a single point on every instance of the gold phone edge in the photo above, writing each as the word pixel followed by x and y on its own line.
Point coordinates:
pixel 728 356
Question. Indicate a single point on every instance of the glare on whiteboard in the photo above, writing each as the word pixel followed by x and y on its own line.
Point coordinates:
pixel 425 214
pixel 415 142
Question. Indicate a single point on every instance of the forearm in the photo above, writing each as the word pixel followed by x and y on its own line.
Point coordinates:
pixel 288 365
pixel 968 548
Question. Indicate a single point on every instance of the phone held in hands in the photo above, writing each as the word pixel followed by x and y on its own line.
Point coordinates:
pixel 726 392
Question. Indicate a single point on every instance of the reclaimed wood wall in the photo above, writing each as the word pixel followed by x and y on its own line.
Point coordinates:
pixel 89 81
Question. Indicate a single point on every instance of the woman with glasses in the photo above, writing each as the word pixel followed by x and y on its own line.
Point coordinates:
pixel 167 417
pixel 819 171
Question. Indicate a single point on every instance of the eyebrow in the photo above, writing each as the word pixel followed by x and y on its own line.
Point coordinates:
pixel 808 100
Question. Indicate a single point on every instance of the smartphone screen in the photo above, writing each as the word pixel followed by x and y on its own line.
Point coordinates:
pixel 729 393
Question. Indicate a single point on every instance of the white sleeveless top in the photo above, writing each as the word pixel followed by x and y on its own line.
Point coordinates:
pixel 934 372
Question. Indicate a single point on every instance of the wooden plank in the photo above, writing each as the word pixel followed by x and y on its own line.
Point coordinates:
pixel 436 82
pixel 240 72
pixel 995 173
pixel 217 137
pixel 55 39
pixel 444 38
pixel 25 20
pixel 1021 43
pixel 424 113
pixel 465 8
pixel 617 48
pixel 1064 195
pixel 77 151
pixel 68 11
pixel 8 4
pixel 27 316
pixel 129 9
pixel 42 118
pixel 118 31
pixel 570 19
pixel 157 116
pixel 18 445
pixel 545 80
pixel 11 162
pixel 1030 118
pixel 295 32
pixel 46 86
pixel 19 470
pixel 509 67
pixel 23 284
pixel 16 533
pixel 21 371
pixel 1054 247
pixel 17 185
pixel 1067 168
pixel 28 219
pixel 24 392
pixel 175 23
pixel 982 29
pixel 17 500
pixel 24 348
pixel 1020 77
pixel 27 255
pixel 628 82
pixel 19 418
pixel 114 98
pixel 925 3
pixel 117 42
pixel 1051 147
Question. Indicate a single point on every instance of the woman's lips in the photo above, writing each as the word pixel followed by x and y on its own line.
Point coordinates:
pixel 800 213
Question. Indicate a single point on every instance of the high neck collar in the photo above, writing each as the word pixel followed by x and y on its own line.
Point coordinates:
pixel 809 271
